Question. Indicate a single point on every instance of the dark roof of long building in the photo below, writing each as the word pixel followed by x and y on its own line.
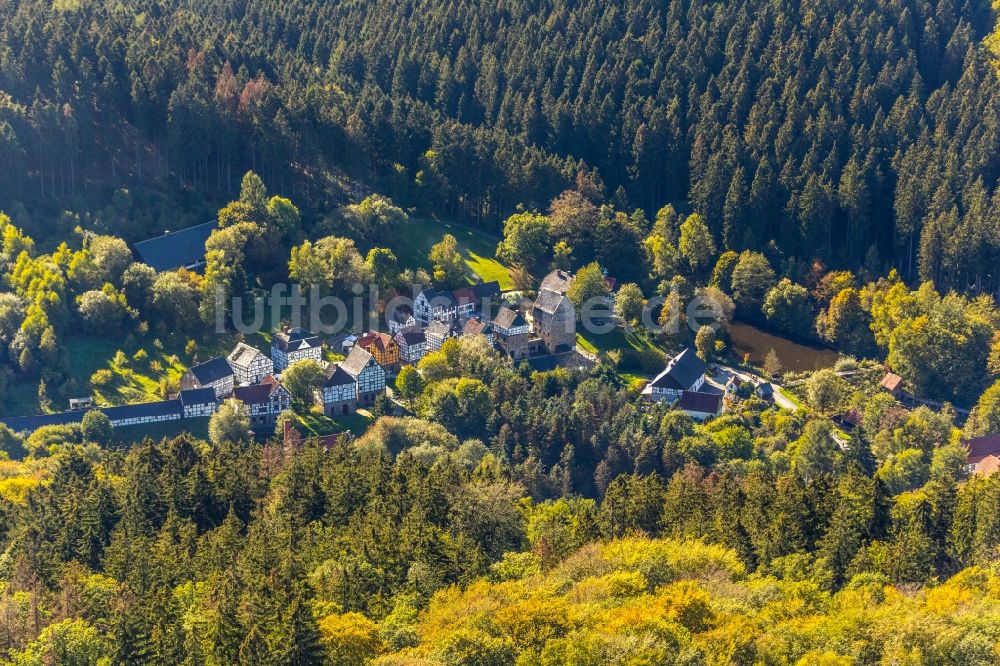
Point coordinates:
pixel 211 371
pixel 489 289
pixel 176 249
pixel 257 394
pixel 696 401
pixel 32 423
pixel 143 410
pixel 681 372
pixel 198 396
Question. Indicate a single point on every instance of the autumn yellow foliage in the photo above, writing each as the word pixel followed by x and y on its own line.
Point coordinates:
pixel 655 601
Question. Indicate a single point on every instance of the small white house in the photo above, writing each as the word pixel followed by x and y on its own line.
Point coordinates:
pixel 684 372
pixel 249 364
pixel 295 344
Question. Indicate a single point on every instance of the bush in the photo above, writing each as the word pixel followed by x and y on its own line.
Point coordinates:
pixel 102 378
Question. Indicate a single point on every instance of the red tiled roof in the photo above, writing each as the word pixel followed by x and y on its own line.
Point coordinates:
pixel 981 447
pixel 988 466
pixel 257 394
pixel 378 339
pixel 464 295
pixel 475 326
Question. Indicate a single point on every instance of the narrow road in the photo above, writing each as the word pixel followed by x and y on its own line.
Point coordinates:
pixel 781 401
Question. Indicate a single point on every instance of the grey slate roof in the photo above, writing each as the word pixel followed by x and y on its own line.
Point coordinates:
pixel 509 319
pixel 244 354
pixel 549 301
pixel 198 396
pixel 681 372
pixel 489 289
pixel 356 361
pixel 412 335
pixel 179 248
pixel 695 401
pixel 557 281
pixel 293 339
pixel 337 376
pixel 32 423
pixel 143 410
pixel 211 371
pixel 438 329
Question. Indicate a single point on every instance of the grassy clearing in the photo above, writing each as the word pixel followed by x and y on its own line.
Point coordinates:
pixel 317 424
pixel 413 243
pixel 137 378
pixel 618 339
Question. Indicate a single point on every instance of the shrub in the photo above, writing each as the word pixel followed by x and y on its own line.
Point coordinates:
pixel 102 377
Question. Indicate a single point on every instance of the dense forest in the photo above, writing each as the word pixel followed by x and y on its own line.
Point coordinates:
pixel 828 172
pixel 860 135
pixel 483 532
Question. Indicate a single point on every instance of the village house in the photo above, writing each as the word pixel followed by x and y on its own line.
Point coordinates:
pixel 249 364
pixel 188 404
pixel 295 344
pixel 383 347
pixel 436 333
pixel 339 393
pixel 557 281
pixel 144 413
pixel 510 332
pixel 197 402
pixel 264 401
pixel 177 249
pixel 892 383
pixel 765 390
pixel 412 343
pixel 984 454
pixel 369 375
pixel 476 326
pixel 684 372
pixel 554 321
pixel 431 305
pixel 215 374
pixel 400 317
pixel 700 406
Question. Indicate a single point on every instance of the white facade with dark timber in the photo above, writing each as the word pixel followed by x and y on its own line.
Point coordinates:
pixel 339 394
pixel 249 364
pixel 369 375
pixel 684 372
pixel 412 343
pixel 215 374
pixel 264 401
pixel 197 403
pixel 295 344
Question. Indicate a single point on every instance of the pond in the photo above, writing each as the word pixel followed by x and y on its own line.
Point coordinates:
pixel 795 356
